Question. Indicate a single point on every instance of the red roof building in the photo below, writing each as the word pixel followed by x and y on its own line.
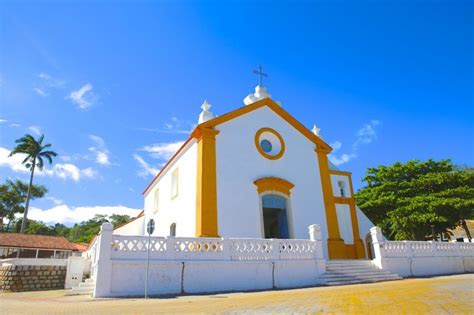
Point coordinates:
pixel 15 245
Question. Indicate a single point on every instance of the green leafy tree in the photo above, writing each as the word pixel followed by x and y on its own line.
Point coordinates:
pixel 83 232
pixel 13 197
pixel 36 228
pixel 118 219
pixel 407 199
pixel 35 152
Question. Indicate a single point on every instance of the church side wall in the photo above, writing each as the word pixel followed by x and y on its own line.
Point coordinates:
pixel 135 227
pixel 181 209
pixel 239 164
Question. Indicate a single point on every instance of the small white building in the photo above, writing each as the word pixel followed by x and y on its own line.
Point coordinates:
pixel 255 172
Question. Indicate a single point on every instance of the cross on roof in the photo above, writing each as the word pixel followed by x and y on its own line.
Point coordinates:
pixel 260 74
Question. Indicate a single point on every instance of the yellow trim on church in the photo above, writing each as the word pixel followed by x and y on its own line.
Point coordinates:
pixel 273 184
pixel 356 250
pixel 275 108
pixel 276 134
pixel 206 188
pixel 336 246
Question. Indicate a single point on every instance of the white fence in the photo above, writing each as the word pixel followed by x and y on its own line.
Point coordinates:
pixel 197 265
pixel 414 258
pixel 171 248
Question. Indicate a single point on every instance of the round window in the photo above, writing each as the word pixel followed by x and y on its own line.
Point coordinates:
pixel 269 143
pixel 266 146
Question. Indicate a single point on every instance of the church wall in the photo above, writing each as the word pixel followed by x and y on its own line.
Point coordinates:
pixel 239 164
pixel 135 227
pixel 344 220
pixel 181 209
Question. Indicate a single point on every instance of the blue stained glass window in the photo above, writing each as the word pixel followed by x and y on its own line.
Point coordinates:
pixel 266 145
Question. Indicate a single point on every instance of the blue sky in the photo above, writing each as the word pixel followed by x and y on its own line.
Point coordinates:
pixel 115 86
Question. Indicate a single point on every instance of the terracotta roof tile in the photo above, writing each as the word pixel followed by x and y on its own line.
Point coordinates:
pixel 36 241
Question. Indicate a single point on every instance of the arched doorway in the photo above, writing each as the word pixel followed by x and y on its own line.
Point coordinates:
pixel 275 216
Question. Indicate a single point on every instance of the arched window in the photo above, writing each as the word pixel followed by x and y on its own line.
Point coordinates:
pixel 173 230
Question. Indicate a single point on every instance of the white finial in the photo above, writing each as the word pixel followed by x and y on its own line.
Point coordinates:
pixel 260 93
pixel 316 130
pixel 205 106
pixel 205 115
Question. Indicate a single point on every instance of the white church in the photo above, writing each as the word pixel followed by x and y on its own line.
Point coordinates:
pixel 255 172
pixel 251 202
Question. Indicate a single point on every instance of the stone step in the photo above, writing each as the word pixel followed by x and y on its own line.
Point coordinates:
pixel 89 280
pixel 353 269
pixel 339 264
pixel 330 277
pixel 346 282
pixel 341 272
pixel 335 275
pixel 86 285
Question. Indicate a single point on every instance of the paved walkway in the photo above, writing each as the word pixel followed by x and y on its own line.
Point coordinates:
pixel 440 295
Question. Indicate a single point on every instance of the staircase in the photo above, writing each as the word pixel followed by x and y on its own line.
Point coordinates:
pixel 340 272
pixel 86 287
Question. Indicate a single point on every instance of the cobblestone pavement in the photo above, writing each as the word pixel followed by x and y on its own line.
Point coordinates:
pixel 439 295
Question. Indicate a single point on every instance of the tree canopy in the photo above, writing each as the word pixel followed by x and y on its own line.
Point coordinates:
pixel 80 232
pixel 35 152
pixel 407 199
pixel 13 197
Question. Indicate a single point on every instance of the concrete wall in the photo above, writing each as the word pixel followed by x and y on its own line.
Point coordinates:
pixel 176 277
pixel 180 210
pixel 201 265
pixel 31 278
pixel 416 259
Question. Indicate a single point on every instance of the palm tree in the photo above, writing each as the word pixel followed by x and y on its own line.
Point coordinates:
pixel 35 152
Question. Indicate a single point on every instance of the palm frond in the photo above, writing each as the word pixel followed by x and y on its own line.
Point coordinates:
pixel 28 158
pixel 40 162
pixel 40 139
pixel 48 155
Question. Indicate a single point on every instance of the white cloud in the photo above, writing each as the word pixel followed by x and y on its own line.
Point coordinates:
pixel 61 170
pixel 35 129
pixel 344 158
pixel 98 140
pixel 49 81
pixel 175 125
pixel 366 135
pixel 163 151
pixel 146 170
pixel 56 201
pixel 40 92
pixel 13 162
pixel 3 121
pixel 15 125
pixel 84 97
pixel 69 171
pixel 100 151
pixel 69 215
pixel 336 145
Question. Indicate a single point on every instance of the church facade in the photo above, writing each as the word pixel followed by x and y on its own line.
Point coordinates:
pixel 256 172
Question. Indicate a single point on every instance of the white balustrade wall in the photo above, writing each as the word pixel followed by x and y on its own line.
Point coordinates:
pixel 415 258
pixel 198 265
